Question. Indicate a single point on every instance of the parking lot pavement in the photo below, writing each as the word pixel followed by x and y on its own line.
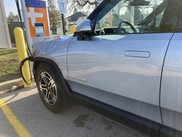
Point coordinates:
pixel 77 121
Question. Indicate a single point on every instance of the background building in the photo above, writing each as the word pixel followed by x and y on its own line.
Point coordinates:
pixel 74 19
pixel 4 32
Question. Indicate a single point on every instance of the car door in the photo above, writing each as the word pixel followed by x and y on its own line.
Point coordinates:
pixel 171 95
pixel 123 69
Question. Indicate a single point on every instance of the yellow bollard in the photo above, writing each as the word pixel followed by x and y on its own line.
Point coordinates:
pixel 73 29
pixel 22 54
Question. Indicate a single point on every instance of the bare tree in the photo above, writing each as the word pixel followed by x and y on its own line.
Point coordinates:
pixel 11 17
pixel 81 4
pixel 54 16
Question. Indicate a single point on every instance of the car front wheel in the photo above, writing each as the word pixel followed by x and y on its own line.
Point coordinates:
pixel 52 88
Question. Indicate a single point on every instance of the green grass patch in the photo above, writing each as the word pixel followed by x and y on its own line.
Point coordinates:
pixel 9 66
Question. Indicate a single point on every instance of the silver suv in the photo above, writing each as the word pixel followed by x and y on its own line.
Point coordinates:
pixel 126 56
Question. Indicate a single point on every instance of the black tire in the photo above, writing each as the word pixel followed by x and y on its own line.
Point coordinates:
pixel 52 88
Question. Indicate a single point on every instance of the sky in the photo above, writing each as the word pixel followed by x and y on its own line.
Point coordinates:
pixel 10 6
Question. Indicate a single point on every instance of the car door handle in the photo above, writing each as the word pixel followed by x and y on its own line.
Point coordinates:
pixel 138 54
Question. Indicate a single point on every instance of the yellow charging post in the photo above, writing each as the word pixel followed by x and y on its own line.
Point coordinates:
pixel 22 54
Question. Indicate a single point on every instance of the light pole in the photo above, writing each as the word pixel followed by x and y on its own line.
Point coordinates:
pixel 19 12
pixel 62 9
pixel 22 26
pixel 63 24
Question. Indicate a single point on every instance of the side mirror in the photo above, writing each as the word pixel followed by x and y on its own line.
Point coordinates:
pixel 84 30
pixel 85 25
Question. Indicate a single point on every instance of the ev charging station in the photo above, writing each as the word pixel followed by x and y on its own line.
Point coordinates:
pixel 36 19
pixel 36 22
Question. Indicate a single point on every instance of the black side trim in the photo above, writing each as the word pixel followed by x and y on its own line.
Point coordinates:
pixel 141 124
pixel 169 132
pixel 37 61
pixel 98 9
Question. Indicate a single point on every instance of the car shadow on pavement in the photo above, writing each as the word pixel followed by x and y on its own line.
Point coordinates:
pixel 75 121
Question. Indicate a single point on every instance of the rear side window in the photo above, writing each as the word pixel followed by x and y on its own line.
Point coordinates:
pixel 139 16
pixel 179 25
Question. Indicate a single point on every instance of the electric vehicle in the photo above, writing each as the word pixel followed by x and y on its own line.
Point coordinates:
pixel 125 58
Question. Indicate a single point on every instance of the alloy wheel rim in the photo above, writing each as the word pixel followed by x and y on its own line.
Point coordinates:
pixel 48 88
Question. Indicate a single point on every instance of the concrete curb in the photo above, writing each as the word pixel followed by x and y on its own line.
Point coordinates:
pixel 8 85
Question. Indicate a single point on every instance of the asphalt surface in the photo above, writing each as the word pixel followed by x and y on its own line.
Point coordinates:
pixel 77 121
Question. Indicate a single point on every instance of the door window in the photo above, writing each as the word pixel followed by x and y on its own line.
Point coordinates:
pixel 139 16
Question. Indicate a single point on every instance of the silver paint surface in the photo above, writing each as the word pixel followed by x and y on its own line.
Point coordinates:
pixel 55 50
pixel 102 61
pixel 171 94
pixel 126 68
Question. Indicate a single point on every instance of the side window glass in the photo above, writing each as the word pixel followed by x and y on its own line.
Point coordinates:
pixel 139 16
pixel 179 24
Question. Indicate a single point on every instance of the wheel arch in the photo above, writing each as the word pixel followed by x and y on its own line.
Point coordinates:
pixel 39 60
